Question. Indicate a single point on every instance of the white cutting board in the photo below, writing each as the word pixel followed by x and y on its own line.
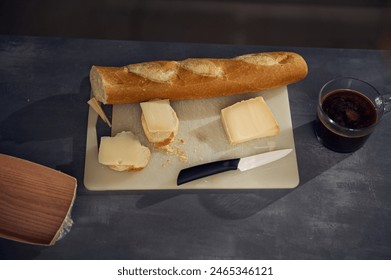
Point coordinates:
pixel 201 138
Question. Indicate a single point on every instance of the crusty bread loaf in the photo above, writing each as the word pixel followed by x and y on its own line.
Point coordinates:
pixel 196 77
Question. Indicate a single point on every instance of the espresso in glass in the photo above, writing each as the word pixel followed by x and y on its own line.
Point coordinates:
pixel 347 109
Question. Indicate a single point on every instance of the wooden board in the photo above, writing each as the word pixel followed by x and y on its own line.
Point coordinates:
pixel 34 201
pixel 201 138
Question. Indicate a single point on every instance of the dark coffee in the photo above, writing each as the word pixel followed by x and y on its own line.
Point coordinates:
pixel 349 109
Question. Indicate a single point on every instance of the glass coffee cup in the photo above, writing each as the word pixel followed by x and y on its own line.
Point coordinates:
pixel 348 111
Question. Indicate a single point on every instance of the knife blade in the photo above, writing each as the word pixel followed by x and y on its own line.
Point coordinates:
pixel 200 171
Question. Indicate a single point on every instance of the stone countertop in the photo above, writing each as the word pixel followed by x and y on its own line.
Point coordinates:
pixel 340 210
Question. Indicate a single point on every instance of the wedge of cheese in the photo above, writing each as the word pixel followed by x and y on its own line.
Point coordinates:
pixel 98 109
pixel 123 152
pixel 159 121
pixel 248 120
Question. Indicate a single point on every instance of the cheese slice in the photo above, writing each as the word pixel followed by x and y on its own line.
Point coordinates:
pixel 159 116
pixel 248 120
pixel 123 152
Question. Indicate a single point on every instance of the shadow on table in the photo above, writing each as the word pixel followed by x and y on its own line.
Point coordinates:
pixel 50 131
pixel 313 159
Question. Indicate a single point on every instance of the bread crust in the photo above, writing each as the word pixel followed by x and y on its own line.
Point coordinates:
pixel 126 168
pixel 196 78
pixel 158 139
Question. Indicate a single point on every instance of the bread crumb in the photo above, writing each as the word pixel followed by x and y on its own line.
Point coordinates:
pixel 175 151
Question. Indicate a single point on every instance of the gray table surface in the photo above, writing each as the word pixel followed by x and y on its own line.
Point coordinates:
pixel 340 210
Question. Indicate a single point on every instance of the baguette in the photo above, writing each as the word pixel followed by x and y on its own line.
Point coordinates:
pixel 195 78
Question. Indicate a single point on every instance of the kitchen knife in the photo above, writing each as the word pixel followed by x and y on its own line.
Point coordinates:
pixel 243 164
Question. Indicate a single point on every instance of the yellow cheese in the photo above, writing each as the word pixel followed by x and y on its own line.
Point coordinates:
pixel 249 119
pixel 159 116
pixel 123 152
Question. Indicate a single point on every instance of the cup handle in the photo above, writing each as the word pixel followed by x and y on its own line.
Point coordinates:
pixel 387 102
